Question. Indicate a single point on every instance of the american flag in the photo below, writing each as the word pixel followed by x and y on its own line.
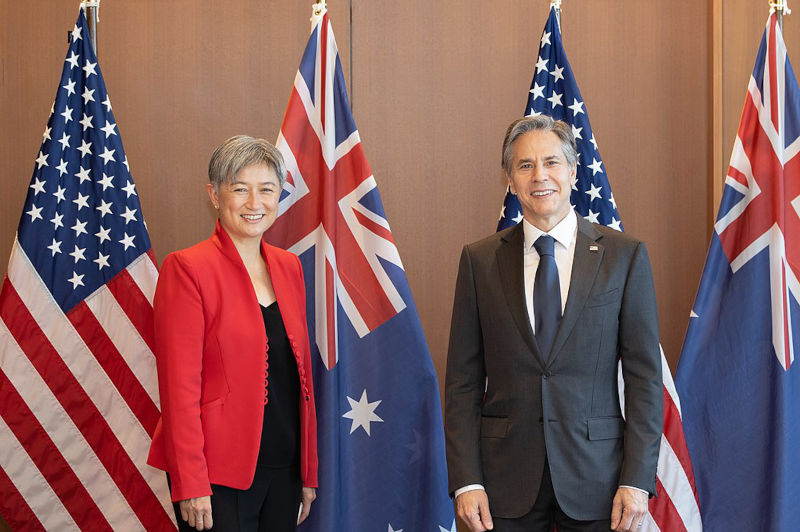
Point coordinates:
pixel 381 441
pixel 78 384
pixel 554 92
pixel 736 375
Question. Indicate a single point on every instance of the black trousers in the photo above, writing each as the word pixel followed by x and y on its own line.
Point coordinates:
pixel 271 504
pixel 546 512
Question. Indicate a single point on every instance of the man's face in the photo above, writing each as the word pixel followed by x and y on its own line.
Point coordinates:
pixel 541 178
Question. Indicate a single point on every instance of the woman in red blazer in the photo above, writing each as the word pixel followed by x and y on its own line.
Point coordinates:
pixel 238 429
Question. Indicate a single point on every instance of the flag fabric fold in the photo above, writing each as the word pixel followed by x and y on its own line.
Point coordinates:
pixel 736 376
pixel 78 384
pixel 554 92
pixel 381 441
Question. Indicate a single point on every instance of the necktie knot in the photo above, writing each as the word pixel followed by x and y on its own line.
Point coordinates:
pixel 544 245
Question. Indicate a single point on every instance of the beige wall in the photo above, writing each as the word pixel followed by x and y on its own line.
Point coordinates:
pixel 434 85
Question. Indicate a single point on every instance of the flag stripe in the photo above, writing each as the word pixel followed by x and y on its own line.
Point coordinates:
pixel 374 227
pixel 84 414
pixel 24 346
pixel 144 272
pixel 95 337
pixel 125 337
pixel 81 362
pixel 31 435
pixel 665 515
pixel 82 365
pixel 131 299
pixel 673 433
pixel 13 504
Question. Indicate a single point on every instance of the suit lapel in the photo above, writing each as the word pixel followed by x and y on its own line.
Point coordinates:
pixel 584 271
pixel 510 263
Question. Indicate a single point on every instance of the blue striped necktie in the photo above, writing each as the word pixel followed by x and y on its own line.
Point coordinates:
pixel 546 296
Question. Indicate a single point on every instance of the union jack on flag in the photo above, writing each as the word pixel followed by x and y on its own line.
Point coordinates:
pixel 78 385
pixel 554 92
pixel 381 439
pixel 332 200
pixel 736 375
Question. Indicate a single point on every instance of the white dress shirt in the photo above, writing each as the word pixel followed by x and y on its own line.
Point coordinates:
pixel 565 235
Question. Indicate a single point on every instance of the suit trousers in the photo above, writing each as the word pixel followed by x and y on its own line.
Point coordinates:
pixel 271 504
pixel 546 512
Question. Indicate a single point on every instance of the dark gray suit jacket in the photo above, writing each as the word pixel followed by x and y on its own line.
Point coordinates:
pixel 498 431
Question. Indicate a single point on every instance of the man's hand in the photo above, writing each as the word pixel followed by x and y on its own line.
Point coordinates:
pixel 309 494
pixel 628 509
pixel 197 512
pixel 473 508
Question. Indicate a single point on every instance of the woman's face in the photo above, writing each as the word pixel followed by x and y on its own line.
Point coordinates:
pixel 248 206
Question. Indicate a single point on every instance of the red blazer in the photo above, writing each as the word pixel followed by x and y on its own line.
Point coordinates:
pixel 211 353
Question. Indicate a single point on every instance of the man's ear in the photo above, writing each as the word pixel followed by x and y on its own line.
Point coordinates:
pixel 511 185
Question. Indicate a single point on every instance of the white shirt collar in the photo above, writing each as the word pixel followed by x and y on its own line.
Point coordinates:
pixel 563 232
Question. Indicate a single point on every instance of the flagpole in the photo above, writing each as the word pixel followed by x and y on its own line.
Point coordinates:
pixel 781 7
pixel 92 18
pixel 556 4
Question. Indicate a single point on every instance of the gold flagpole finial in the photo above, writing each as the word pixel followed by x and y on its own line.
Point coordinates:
pixel 556 4
pixel 92 3
pixel 780 6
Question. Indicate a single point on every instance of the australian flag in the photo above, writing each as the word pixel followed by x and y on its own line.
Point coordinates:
pixel 737 379
pixel 381 441
pixel 554 92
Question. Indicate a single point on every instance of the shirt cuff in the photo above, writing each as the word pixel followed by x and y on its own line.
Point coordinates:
pixel 465 489
pixel 633 488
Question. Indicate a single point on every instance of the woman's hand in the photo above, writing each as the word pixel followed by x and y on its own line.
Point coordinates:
pixel 309 494
pixel 197 511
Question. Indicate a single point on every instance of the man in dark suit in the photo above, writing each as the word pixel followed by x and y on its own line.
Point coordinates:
pixel 543 312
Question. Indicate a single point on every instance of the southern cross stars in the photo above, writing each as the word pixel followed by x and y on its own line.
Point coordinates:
pixel 362 412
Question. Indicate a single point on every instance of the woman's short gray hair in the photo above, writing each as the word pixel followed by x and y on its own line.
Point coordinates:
pixel 239 152
pixel 539 123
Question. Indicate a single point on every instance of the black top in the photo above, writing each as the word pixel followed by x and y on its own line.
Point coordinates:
pixel 280 435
